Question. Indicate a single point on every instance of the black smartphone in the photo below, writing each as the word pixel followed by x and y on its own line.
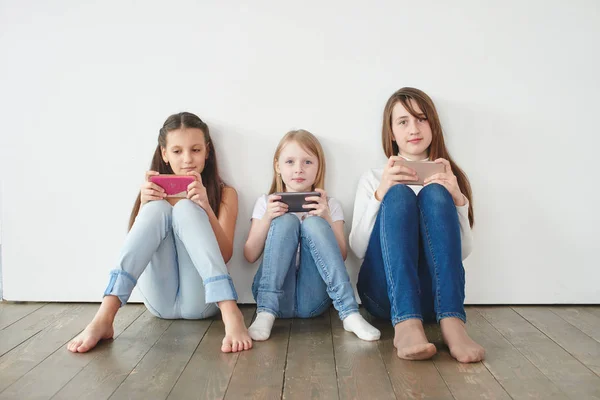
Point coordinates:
pixel 296 200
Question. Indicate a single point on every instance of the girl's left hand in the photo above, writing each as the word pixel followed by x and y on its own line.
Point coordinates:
pixel 321 208
pixel 196 191
pixel 448 180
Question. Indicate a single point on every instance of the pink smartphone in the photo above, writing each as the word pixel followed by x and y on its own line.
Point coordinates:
pixel 424 169
pixel 174 185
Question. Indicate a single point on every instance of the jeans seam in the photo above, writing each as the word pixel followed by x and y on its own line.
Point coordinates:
pixel 435 266
pixel 319 261
pixel 385 253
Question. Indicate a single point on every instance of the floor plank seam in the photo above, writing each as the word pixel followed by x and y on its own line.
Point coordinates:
pixel 559 316
pixel 521 353
pixel 26 315
pixel 189 359
pixel 287 351
pixel 140 360
pixel 78 372
pixel 20 343
pixel 558 344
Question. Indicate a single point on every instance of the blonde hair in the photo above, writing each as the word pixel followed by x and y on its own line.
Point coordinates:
pixel 310 144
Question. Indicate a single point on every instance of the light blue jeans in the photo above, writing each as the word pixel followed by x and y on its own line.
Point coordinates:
pixel 172 254
pixel 285 291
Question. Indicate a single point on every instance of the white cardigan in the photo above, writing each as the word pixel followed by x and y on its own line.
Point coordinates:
pixel 366 207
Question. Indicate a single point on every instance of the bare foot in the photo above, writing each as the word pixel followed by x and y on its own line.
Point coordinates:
pixel 461 346
pixel 100 328
pixel 411 342
pixel 236 334
pixel 91 335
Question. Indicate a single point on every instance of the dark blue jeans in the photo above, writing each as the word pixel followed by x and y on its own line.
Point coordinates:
pixel 413 265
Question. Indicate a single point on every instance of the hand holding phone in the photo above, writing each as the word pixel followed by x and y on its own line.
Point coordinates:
pixel 296 201
pixel 423 169
pixel 172 185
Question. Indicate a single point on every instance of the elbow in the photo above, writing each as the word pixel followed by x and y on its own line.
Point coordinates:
pixel 227 254
pixel 251 258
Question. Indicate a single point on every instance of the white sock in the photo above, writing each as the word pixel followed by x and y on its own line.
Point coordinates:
pixel 356 323
pixel 261 327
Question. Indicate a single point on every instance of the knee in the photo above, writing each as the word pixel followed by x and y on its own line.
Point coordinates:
pixel 157 208
pixel 435 195
pixel 183 211
pixel 314 227
pixel 198 311
pixel 399 194
pixel 287 223
pixel 157 211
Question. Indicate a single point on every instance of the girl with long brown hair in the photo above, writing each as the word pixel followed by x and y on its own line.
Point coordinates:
pixel 176 248
pixel 413 238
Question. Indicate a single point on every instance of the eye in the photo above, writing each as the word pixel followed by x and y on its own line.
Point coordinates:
pixel 309 162
pixel 197 150
pixel 289 162
pixel 403 122
pixel 176 151
pixel 422 119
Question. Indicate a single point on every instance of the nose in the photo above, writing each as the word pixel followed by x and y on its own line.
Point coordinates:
pixel 412 126
pixel 299 168
pixel 187 157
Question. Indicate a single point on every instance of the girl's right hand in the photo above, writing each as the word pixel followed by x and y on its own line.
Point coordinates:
pixel 275 208
pixel 394 174
pixel 151 191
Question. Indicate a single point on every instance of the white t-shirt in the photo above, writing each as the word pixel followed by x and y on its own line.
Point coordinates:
pixel 335 209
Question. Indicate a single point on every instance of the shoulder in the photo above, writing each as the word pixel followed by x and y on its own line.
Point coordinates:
pixel 228 194
pixel 371 176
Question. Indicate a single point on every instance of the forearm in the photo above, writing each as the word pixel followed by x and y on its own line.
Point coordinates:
pixel 225 242
pixel 256 240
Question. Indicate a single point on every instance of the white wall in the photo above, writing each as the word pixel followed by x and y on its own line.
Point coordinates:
pixel 85 86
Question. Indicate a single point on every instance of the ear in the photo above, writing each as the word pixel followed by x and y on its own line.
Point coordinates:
pixel 163 152
pixel 277 166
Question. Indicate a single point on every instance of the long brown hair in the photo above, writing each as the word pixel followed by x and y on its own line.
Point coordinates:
pixel 437 149
pixel 210 174
pixel 309 143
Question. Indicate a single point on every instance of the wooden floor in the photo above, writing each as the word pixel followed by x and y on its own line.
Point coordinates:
pixel 532 353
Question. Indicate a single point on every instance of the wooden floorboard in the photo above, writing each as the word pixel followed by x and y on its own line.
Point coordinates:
pixel 569 374
pixel 570 338
pixel 410 379
pixel 310 369
pixel 547 352
pixel 48 377
pixel 361 372
pixel 101 377
pixel 12 312
pixel 30 325
pixel 34 350
pixel 258 373
pixel 465 381
pixel 209 371
pixel 582 319
pixel 517 375
pixel 158 371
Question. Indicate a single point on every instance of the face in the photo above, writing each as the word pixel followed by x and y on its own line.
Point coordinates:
pixel 413 135
pixel 186 150
pixel 297 167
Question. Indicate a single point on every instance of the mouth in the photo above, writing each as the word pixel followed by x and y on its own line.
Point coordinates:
pixel 415 141
pixel 299 180
pixel 188 168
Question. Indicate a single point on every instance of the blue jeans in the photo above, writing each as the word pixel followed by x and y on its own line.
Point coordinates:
pixel 413 266
pixel 285 291
pixel 174 253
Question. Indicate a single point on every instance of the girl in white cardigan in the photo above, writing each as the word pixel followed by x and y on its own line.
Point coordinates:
pixel 414 238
